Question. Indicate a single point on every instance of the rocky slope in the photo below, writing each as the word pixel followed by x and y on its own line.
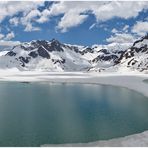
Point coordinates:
pixel 136 57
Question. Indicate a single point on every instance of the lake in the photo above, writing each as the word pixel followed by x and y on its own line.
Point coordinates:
pixel 33 114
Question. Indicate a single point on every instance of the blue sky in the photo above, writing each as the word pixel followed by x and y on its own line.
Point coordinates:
pixel 83 23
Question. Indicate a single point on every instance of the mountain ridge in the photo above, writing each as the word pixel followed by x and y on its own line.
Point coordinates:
pixel 56 56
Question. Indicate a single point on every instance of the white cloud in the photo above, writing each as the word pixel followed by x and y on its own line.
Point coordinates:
pixel 140 28
pixel 31 15
pixel 92 26
pixel 71 19
pixel 146 19
pixel 10 8
pixel 121 38
pixel 1 36
pixel 114 30
pixel 10 36
pixel 14 21
pixel 30 28
pixel 122 9
pixel 44 16
pixel 28 19
pixel 125 28
pixel 102 10
pixel 5 45
pixel 72 13
pixel 9 43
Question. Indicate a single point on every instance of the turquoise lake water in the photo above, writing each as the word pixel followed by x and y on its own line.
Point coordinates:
pixel 33 114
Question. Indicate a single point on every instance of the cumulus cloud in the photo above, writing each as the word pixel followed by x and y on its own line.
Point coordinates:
pixel 140 28
pixel 71 19
pixel 33 17
pixel 27 8
pixel 102 11
pixel 14 21
pixel 30 28
pixel 32 14
pixel 1 36
pixel 9 43
pixel 125 28
pixel 122 35
pixel 44 16
pixel 71 13
pixel 121 38
pixel 10 36
pixel 121 9
pixel 114 30
pixel 28 19
pixel 74 13
pixel 10 8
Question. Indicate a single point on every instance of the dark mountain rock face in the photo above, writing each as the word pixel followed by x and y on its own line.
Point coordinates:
pixel 55 46
pixel 87 50
pixel 24 60
pixel 43 53
pixel 136 56
pixel 129 53
pixel 105 51
pixel 11 53
pixel 132 62
pixel 105 58
pixel 141 40
pixel 33 54
pixel 58 61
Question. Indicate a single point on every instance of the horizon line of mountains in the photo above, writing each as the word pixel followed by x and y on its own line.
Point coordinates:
pixel 55 56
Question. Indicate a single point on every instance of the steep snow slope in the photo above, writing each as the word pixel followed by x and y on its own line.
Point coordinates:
pixel 136 57
pixel 2 53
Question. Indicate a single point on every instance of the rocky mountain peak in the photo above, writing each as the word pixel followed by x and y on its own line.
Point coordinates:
pixel 55 41
pixel 141 40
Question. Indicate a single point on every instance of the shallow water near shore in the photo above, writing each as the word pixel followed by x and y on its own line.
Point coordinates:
pixel 145 81
pixel 33 114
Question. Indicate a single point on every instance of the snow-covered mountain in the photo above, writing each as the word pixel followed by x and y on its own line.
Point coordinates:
pixel 55 56
pixel 132 58
pixel 136 57
pixel 45 55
